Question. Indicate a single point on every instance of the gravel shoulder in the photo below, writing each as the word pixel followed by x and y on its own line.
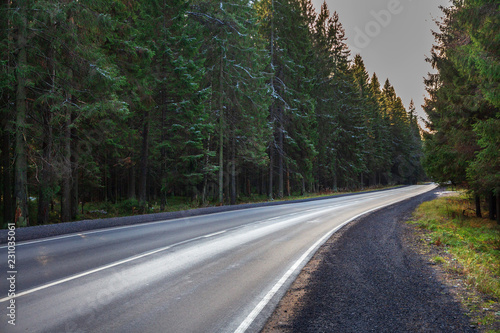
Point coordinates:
pixel 369 277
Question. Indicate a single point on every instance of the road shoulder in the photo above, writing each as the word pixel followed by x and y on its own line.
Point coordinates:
pixel 370 277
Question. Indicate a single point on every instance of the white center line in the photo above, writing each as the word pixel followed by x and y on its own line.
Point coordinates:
pixel 215 234
pixel 117 263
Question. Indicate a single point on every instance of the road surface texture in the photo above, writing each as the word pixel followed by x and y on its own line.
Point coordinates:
pixel 365 279
pixel 222 272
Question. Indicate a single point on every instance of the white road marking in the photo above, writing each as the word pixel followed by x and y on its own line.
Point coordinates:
pixel 117 263
pixel 215 234
pixel 120 262
pixel 267 298
pixel 30 291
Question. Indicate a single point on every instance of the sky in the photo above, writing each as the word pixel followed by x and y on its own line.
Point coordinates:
pixel 393 38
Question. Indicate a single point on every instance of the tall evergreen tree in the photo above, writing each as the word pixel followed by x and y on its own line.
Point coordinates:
pixel 7 113
pixel 286 27
pixel 20 152
pixel 177 72
pixel 463 98
pixel 236 58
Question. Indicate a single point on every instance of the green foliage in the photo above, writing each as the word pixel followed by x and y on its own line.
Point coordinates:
pixel 463 142
pixel 128 206
pixel 484 171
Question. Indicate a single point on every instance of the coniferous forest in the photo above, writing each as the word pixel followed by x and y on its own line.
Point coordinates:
pixel 142 101
pixel 462 145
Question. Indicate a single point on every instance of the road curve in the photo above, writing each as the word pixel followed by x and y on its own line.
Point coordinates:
pixel 222 272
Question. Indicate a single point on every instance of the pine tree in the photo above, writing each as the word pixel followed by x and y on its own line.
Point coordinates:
pixel 402 168
pixel 20 152
pixel 463 99
pixel 451 112
pixel 292 146
pixel 236 58
pixel 475 51
pixel 370 111
pixel 294 105
pixel 177 72
pixel 7 113
pixel 342 109
pixel 66 75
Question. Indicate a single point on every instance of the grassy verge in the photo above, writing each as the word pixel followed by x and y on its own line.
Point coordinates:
pixel 467 248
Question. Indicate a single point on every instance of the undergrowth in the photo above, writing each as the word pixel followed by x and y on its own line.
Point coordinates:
pixel 472 246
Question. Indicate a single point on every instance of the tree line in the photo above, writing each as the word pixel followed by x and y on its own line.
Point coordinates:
pixel 463 142
pixel 143 100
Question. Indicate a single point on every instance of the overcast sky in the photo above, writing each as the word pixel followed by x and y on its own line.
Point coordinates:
pixel 393 38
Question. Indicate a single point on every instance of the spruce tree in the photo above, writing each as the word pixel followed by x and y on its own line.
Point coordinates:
pixel 236 58
pixel 7 112
pixel 20 21
pixel 463 99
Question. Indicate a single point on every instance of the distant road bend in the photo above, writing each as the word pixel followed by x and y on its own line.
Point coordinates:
pixel 221 272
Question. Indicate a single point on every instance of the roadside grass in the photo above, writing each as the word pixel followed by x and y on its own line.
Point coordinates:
pixel 468 246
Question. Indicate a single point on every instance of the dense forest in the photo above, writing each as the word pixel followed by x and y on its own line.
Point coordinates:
pixel 141 101
pixel 463 142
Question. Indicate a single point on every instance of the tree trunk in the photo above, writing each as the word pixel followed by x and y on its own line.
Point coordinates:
pixel 262 189
pixel 221 163
pixel 497 206
pixel 271 168
pixel 280 155
pixel 288 189
pixel 478 206
pixel 21 165
pixel 205 173
pixel 44 187
pixel 249 187
pixel 8 214
pixel 335 180
pixel 45 195
pixel 6 122
pixel 131 183
pixel 221 132
pixel 492 206
pixel 271 144
pixel 74 174
pixel 163 157
pixel 144 161
pixel 233 170
pixel 66 172
pixel 104 192
pixel 303 188
pixel 281 148
pixel 163 150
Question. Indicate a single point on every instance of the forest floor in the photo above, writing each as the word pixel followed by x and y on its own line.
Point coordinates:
pixel 382 273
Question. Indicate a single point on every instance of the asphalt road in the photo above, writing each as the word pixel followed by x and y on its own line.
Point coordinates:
pixel 221 272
